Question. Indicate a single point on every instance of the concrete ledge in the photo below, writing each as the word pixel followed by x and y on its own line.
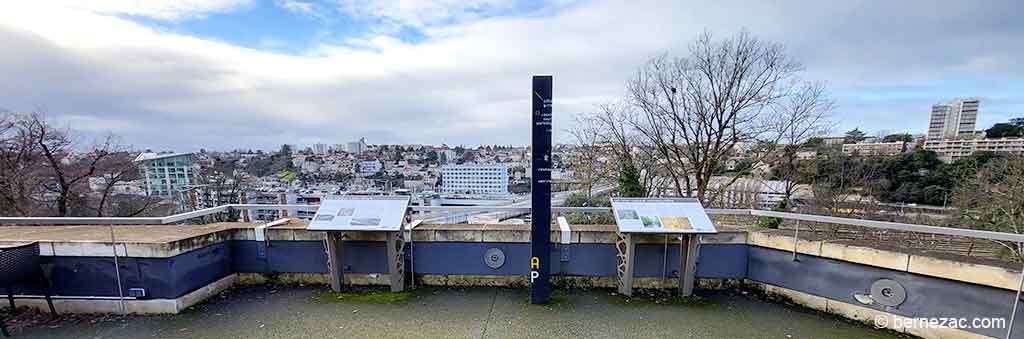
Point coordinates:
pixel 784 243
pixel 137 306
pixel 861 314
pixel 972 273
pixel 866 255
pixel 204 293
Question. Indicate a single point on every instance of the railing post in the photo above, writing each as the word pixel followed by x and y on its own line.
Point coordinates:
pixel 117 270
pixel 796 239
pixel 1016 301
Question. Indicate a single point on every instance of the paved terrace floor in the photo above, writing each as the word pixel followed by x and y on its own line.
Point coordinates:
pixel 300 312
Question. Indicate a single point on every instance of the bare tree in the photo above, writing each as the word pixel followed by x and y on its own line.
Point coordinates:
pixel 613 121
pixel 805 115
pixel 588 158
pixel 842 184
pixel 992 200
pixel 44 171
pixel 107 200
pixel 694 111
pixel 21 185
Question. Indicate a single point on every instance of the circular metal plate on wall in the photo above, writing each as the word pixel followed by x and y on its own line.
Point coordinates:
pixel 494 258
pixel 888 292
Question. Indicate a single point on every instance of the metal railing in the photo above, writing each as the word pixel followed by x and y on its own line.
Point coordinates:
pixel 292 209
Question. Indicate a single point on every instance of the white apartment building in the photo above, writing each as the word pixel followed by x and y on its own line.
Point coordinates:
pixel 877 148
pixel 951 150
pixel 357 147
pixel 475 179
pixel 164 175
pixel 320 149
pixel 953 119
pixel 447 156
pixel 750 193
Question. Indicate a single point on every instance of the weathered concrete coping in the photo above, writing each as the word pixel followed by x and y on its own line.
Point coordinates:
pixel 162 241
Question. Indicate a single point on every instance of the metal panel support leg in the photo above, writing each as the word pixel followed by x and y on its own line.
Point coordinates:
pixel 336 266
pixel 626 252
pixel 688 247
pixel 396 273
pixel 10 298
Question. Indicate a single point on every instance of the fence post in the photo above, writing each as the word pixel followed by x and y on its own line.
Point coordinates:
pixel 1016 300
pixel 796 238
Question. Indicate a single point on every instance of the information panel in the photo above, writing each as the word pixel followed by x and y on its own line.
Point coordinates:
pixel 360 213
pixel 661 215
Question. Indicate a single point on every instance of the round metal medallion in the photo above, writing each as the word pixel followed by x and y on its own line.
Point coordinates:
pixel 888 292
pixel 494 258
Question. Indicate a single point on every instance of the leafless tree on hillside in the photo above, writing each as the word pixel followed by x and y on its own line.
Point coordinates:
pixel 45 171
pixel 695 110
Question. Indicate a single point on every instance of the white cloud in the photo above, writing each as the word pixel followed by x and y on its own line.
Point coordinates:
pixel 468 82
pixel 157 9
pixel 393 14
pixel 296 6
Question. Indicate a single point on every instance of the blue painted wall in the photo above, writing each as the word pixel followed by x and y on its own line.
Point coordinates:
pixel 926 296
pixel 161 277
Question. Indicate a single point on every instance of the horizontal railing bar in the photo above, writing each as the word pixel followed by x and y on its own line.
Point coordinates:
pixel 561 209
pixel 582 209
pixel 728 211
pixel 467 208
pixel 964 232
pixel 193 214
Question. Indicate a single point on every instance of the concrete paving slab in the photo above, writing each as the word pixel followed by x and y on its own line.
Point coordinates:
pixel 272 312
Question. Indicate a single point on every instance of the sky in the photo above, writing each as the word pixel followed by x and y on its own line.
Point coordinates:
pixel 248 74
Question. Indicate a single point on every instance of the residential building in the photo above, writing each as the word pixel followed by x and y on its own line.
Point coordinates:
pixel 475 179
pixel 877 148
pixel 163 175
pixel 357 147
pixel 833 141
pixel 370 166
pixel 320 148
pixel 953 119
pixel 447 156
pixel 951 150
pixel 750 193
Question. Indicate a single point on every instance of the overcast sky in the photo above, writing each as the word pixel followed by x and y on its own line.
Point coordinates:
pixel 224 74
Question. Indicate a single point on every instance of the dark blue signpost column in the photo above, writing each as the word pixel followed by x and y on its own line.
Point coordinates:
pixel 540 233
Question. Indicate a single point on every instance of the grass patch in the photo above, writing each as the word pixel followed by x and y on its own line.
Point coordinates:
pixel 287 176
pixel 557 299
pixel 364 297
pixel 654 297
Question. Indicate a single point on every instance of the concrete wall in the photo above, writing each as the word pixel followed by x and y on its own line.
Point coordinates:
pixel 825 277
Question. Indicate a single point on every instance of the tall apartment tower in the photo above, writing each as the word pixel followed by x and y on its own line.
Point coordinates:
pixel 953 119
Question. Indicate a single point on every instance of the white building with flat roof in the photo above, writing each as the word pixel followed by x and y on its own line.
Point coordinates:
pixel 877 148
pixel 164 175
pixel 953 119
pixel 951 150
pixel 319 148
pixel 475 179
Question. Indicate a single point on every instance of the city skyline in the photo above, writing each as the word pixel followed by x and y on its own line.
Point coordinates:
pixel 181 77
